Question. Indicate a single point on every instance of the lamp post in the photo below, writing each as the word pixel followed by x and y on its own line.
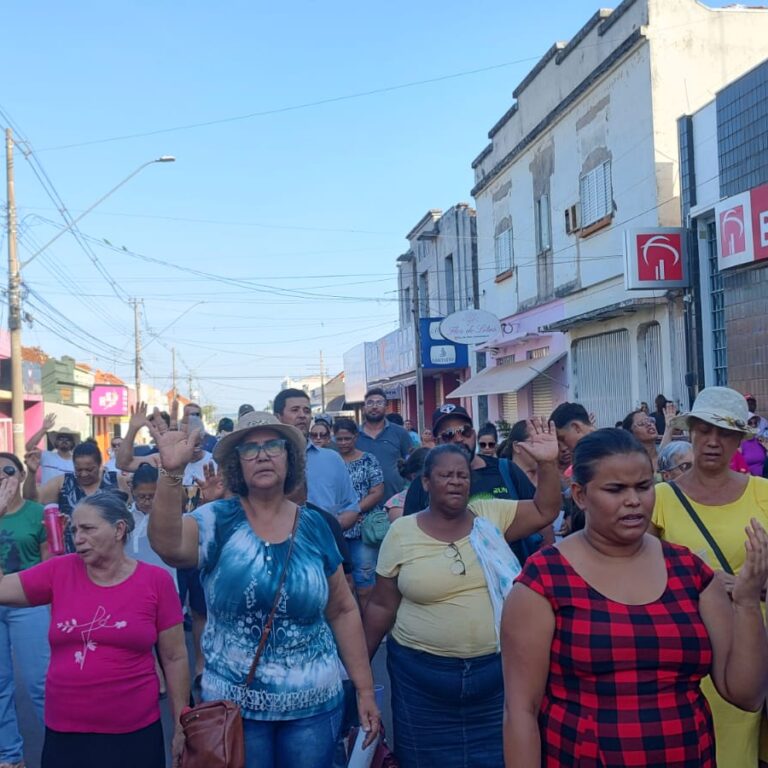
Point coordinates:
pixel 14 285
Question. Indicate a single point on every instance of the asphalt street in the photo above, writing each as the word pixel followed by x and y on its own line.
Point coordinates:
pixel 32 730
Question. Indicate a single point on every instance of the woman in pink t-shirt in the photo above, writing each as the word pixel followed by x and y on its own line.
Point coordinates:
pixel 108 612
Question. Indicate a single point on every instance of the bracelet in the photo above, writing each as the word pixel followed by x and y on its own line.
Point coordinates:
pixel 175 478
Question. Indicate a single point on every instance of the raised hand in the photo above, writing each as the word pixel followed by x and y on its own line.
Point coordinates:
pixel 9 486
pixel 32 460
pixel 138 417
pixel 541 444
pixel 212 486
pixel 751 579
pixel 49 421
pixel 176 448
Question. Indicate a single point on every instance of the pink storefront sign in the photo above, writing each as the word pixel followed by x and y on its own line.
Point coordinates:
pixel 109 401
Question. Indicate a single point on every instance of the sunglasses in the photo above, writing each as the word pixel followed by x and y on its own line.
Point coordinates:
pixel 252 451
pixel 487 445
pixel 449 435
pixel 10 471
pixel 319 434
pixel 684 467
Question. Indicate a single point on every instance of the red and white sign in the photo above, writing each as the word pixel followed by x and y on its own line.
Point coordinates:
pixel 655 258
pixel 742 228
pixel 109 401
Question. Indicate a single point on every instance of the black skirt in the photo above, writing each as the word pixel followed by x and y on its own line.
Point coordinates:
pixel 144 748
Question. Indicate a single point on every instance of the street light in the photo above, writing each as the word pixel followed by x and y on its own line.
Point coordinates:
pixel 14 285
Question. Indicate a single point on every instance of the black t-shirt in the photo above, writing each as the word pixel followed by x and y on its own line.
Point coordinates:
pixel 485 483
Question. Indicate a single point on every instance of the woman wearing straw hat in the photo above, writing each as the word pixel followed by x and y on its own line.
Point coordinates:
pixel 292 710
pixel 707 509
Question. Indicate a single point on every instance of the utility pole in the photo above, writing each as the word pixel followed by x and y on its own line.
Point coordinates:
pixel 322 382
pixel 416 309
pixel 173 370
pixel 14 306
pixel 189 379
pixel 137 340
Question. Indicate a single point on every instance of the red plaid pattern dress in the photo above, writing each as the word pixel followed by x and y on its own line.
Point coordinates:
pixel 623 687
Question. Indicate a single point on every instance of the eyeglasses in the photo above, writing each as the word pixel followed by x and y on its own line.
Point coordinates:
pixel 377 402
pixel 683 466
pixel 252 451
pixel 457 566
pixel 487 445
pixel 449 435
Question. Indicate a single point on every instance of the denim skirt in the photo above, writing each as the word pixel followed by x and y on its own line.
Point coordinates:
pixel 446 712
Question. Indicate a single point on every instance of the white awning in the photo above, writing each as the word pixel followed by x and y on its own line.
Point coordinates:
pixel 506 378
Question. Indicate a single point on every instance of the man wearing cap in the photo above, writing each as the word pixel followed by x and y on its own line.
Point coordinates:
pixel 762 424
pixel 452 424
pixel 328 485
pixel 58 461
pixel 388 442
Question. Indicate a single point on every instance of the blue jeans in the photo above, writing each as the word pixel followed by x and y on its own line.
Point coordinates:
pixel 364 559
pixel 308 742
pixel 23 640
pixel 446 712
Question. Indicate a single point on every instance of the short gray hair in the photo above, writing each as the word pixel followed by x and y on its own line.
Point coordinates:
pixel 671 454
pixel 112 507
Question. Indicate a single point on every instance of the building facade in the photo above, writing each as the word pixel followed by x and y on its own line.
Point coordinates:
pixel 724 200
pixel 586 153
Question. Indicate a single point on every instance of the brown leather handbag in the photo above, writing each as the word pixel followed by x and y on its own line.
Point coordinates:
pixel 213 731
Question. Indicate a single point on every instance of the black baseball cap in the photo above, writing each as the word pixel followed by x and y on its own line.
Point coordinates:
pixel 448 410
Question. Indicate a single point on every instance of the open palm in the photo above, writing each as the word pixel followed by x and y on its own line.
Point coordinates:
pixel 541 444
pixel 176 448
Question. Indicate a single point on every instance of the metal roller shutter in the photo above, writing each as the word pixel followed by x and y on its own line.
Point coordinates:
pixel 508 407
pixel 541 388
pixel 652 374
pixel 602 376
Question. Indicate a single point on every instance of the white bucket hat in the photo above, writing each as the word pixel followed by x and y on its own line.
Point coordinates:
pixel 258 420
pixel 720 406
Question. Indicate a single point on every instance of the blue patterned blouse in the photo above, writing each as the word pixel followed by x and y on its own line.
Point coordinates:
pixel 365 473
pixel 299 672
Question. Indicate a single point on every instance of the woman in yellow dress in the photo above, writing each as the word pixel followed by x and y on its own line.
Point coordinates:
pixel 707 509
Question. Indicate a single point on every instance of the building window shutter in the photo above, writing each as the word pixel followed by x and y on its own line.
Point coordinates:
pixel 596 194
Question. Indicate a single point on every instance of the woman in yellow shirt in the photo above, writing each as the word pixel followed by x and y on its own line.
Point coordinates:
pixel 434 590
pixel 707 509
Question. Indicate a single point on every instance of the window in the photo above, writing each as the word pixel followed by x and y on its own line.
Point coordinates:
pixel 543 228
pixel 503 250
pixel 537 354
pixel 450 287
pixel 719 338
pixel 596 194
pixel 424 294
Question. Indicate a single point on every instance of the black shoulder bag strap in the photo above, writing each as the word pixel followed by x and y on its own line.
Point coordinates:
pixel 702 528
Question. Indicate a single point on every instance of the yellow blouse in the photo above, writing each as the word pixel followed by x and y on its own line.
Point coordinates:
pixel 442 612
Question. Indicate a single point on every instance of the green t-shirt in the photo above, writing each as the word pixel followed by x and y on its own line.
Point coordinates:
pixel 21 535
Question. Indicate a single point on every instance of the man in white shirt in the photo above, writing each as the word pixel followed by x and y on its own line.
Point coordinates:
pixel 58 461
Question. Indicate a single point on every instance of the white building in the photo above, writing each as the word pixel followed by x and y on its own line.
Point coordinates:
pixel 587 151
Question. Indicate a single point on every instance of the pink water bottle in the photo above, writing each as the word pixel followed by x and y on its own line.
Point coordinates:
pixel 53 529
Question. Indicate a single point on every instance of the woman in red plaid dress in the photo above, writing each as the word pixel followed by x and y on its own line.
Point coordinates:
pixel 607 635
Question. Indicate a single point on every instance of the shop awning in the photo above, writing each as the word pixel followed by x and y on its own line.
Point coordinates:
pixel 506 378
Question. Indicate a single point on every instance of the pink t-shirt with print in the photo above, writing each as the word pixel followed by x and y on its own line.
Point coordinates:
pixel 102 674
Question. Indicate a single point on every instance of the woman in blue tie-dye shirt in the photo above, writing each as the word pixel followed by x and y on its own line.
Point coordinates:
pixel 292 710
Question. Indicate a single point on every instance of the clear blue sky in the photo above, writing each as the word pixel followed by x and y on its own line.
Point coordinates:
pixel 317 199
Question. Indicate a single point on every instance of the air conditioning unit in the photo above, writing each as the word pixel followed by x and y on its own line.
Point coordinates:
pixel 572 216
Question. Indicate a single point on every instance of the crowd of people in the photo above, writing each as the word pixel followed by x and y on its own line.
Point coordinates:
pixel 556 594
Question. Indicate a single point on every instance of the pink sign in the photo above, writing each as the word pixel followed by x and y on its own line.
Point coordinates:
pixel 109 401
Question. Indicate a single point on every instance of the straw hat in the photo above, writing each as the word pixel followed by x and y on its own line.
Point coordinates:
pixel 720 406
pixel 66 432
pixel 257 420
